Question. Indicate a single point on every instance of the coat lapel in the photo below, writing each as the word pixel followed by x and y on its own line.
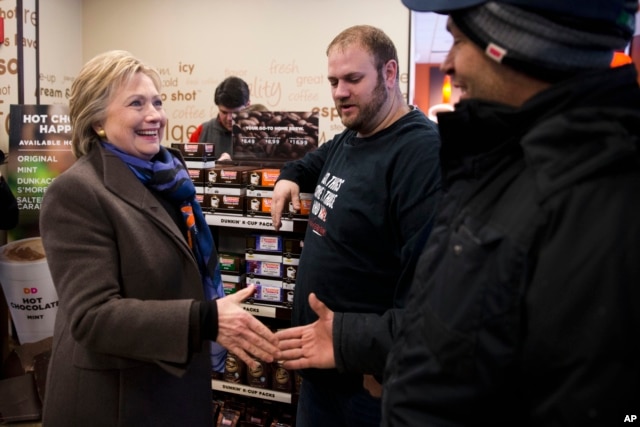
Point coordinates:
pixel 119 179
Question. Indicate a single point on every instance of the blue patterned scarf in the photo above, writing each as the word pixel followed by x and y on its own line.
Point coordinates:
pixel 168 176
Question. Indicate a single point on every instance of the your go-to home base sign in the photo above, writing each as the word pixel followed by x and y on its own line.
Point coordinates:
pixel 277 136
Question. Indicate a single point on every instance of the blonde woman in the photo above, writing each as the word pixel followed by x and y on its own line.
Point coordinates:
pixel 134 266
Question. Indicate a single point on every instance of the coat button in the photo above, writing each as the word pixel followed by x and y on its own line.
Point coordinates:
pixel 457 249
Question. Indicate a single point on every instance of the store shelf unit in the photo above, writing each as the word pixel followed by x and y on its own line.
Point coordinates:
pixel 230 232
pixel 231 235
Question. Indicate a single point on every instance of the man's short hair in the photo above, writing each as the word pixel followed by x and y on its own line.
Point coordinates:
pixel 232 92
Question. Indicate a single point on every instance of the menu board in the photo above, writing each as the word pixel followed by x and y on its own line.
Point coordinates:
pixel 275 136
pixel 39 151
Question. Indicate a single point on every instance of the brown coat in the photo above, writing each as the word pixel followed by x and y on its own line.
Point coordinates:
pixel 126 280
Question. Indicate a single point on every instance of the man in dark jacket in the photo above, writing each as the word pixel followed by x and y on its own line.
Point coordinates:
pixel 524 308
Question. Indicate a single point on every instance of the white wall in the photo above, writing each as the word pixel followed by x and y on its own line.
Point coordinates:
pixel 60 37
pixel 277 46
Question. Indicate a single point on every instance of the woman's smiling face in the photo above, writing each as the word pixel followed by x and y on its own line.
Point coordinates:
pixel 135 119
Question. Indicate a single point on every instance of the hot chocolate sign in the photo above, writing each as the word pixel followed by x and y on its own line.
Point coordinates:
pixel 40 150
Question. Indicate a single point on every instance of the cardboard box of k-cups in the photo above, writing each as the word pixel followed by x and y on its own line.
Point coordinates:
pixel 237 176
pixel 195 150
pixel 264 268
pixel 258 206
pixel 306 199
pixel 268 290
pixel 264 242
pixel 197 176
pixel 263 178
pixel 224 204
pixel 232 281
pixel 231 263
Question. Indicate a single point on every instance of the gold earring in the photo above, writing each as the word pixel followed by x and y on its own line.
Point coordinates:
pixel 101 133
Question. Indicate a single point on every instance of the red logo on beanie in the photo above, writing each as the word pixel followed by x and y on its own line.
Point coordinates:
pixel 495 52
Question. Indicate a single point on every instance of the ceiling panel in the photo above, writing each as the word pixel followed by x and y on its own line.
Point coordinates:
pixel 431 38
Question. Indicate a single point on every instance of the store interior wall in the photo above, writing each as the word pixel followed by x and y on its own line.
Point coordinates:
pixel 277 46
pixel 59 43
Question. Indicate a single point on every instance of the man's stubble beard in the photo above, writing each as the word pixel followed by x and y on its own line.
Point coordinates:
pixel 363 121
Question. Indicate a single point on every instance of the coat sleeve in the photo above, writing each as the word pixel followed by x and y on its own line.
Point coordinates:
pixel 356 352
pixel 305 171
pixel 363 340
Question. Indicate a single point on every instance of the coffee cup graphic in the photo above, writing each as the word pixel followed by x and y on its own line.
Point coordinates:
pixel 291 272
pixel 255 178
pixel 215 202
pixel 255 204
pixel 28 289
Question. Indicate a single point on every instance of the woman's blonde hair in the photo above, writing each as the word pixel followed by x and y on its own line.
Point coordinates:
pixel 91 92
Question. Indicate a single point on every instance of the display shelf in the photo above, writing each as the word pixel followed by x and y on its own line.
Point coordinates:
pixel 269 311
pixel 248 391
pixel 255 222
pixel 230 234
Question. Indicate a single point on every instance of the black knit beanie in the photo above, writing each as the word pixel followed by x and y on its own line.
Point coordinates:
pixel 545 47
